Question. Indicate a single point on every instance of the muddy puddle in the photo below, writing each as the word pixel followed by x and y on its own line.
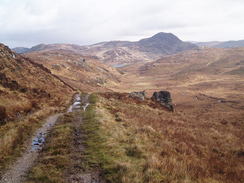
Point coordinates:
pixel 39 138
pixel 79 103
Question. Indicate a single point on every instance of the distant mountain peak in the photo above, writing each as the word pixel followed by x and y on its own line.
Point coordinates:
pixel 164 43
pixel 164 35
pixel 113 52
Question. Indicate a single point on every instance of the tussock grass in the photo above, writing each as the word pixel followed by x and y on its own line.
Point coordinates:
pixel 153 146
pixel 114 148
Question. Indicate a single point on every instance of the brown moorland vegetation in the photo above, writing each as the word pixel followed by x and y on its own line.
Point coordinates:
pixel 203 140
pixel 193 144
pixel 83 72
pixel 139 141
pixel 28 94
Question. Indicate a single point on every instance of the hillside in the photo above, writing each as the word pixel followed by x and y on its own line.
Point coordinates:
pixel 206 61
pixel 202 139
pixel 83 72
pixel 19 83
pixel 120 138
pixel 215 71
pixel 231 44
pixel 223 44
pixel 28 94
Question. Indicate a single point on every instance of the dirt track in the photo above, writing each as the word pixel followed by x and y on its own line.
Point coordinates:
pixel 76 172
pixel 18 170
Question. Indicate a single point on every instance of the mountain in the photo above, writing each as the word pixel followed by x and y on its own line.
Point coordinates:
pixel 164 43
pixel 26 86
pixel 118 53
pixel 218 44
pixel 209 44
pixel 41 47
pixel 123 52
pixel 21 49
pixel 231 44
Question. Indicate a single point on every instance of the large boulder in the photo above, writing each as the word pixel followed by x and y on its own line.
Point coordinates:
pixel 164 98
pixel 140 95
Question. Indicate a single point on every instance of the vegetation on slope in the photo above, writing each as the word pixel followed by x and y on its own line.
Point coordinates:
pixel 150 145
pixel 28 94
pixel 83 72
pixel 129 141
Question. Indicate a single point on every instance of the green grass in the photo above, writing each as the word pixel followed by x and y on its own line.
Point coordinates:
pixel 97 155
pixel 93 140
pixel 112 149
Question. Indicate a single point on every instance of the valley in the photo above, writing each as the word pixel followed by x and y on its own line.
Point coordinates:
pixel 120 137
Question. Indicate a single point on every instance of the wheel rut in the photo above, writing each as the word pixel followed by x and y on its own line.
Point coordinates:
pixel 77 173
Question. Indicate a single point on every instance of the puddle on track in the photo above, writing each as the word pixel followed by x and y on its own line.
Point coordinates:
pixel 79 103
pixel 39 139
pixel 76 104
pixel 22 165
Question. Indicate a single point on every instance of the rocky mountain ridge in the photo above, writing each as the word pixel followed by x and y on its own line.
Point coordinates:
pixel 120 52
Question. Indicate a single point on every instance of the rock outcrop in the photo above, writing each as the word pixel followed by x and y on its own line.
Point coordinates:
pixel 140 95
pixel 164 98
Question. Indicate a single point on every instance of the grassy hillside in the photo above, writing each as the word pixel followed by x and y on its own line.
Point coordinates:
pixel 28 93
pixel 125 140
pixel 83 72
pixel 130 141
pixel 152 145
pixel 202 140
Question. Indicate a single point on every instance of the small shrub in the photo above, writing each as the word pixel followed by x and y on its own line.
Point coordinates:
pixel 134 151
pixel 3 115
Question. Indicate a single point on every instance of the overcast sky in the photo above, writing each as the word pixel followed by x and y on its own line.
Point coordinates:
pixel 30 22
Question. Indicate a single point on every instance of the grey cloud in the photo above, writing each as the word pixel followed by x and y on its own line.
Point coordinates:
pixel 28 22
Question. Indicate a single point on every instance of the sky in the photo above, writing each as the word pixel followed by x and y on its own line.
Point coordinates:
pixel 30 22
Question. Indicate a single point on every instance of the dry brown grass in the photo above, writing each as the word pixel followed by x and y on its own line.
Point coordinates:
pixel 152 145
pixel 203 140
pixel 24 116
pixel 91 75
pixel 28 94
